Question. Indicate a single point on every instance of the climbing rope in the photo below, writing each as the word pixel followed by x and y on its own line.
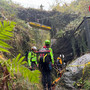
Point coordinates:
pixel 59 73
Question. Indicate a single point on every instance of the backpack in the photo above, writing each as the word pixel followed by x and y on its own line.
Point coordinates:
pixel 44 55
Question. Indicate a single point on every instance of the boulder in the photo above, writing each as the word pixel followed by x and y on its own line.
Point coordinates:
pixel 74 72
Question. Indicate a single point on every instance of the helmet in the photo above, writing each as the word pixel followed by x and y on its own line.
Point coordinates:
pixel 60 55
pixel 63 56
pixel 47 42
pixel 33 48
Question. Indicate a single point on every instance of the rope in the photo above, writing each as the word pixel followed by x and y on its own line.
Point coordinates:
pixel 55 81
pixel 79 65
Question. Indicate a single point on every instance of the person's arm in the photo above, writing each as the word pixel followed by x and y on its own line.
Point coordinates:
pixel 36 62
pixel 51 54
pixel 29 58
pixel 36 59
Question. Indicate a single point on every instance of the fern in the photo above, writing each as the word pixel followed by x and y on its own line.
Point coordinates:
pixel 6 29
pixel 17 65
pixel 14 65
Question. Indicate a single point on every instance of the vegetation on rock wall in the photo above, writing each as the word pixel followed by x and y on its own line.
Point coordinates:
pixel 78 41
pixel 80 7
pixel 86 78
pixel 84 81
pixel 11 69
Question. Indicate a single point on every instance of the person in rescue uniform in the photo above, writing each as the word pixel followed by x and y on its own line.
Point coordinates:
pixel 59 62
pixel 47 67
pixel 32 59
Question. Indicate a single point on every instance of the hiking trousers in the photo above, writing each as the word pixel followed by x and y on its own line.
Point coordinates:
pixel 46 79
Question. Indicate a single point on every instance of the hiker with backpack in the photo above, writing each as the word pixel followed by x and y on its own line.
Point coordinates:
pixel 32 59
pixel 46 61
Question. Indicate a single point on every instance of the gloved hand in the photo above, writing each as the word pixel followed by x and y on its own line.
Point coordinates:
pixel 30 67
pixel 52 65
pixel 37 65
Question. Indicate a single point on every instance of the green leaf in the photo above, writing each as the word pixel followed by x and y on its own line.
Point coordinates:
pixel 5 33
pixel 3 37
pixel 9 61
pixel 21 59
pixel 9 28
pixel 24 62
pixel 3 44
pixel 6 23
pixel 17 58
pixel 4 50
pixel 9 34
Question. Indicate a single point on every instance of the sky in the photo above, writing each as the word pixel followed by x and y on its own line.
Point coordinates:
pixel 37 3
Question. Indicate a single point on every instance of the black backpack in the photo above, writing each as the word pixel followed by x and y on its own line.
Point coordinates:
pixel 44 59
pixel 44 55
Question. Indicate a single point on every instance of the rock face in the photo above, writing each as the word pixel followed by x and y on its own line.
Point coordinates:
pixel 74 72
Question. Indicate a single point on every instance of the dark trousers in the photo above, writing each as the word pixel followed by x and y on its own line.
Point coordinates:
pixel 46 79
pixel 33 64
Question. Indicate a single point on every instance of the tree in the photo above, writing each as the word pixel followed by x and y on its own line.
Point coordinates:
pixel 77 6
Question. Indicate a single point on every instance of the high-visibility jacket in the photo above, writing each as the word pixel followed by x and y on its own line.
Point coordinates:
pixel 60 60
pixel 32 58
pixel 51 54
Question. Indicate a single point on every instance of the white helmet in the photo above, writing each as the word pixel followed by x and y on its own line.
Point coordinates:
pixel 34 48
pixel 63 55
pixel 60 55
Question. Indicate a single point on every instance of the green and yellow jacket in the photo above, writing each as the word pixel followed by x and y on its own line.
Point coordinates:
pixel 51 54
pixel 32 58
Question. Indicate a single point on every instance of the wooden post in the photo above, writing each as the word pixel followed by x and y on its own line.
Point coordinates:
pixel 87 30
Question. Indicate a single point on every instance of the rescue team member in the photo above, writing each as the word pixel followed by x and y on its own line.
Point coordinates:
pixel 47 66
pixel 32 60
pixel 59 63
